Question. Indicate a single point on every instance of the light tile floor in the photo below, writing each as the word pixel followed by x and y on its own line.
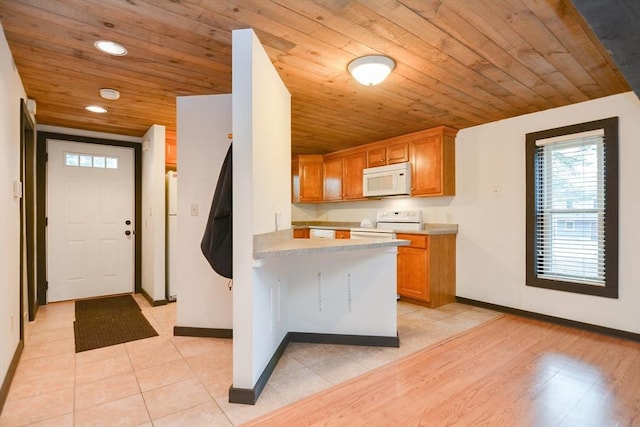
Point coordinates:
pixel 184 381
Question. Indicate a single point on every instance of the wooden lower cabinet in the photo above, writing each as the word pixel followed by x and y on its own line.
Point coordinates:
pixel 301 233
pixel 343 234
pixel 427 269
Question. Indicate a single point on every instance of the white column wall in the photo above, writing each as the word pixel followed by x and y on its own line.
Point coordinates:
pixel 204 299
pixel 261 182
pixel 153 213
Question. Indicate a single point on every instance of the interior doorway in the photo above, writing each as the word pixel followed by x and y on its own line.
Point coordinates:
pixel 27 217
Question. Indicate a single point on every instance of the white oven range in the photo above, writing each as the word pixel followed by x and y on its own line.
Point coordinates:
pixel 387 223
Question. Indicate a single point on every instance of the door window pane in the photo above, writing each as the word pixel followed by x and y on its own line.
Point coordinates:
pixel 71 159
pixel 98 162
pixel 86 161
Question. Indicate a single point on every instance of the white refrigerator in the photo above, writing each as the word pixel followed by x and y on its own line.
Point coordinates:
pixel 172 235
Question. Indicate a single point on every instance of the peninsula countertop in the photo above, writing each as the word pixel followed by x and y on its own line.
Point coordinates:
pixel 318 246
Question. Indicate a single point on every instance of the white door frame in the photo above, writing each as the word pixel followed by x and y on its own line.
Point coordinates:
pixel 42 138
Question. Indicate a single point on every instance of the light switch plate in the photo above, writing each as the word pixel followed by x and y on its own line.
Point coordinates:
pixel 17 189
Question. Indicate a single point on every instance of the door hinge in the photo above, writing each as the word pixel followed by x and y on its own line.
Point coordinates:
pixel 46 157
pixel 46 221
pixel 46 285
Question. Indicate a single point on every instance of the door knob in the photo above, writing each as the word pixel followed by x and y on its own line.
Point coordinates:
pixel 127 233
pixel 128 222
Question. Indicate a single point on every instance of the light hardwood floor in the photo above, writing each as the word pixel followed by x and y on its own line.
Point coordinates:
pixel 508 372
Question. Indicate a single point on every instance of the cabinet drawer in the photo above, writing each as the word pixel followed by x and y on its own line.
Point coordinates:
pixel 417 240
pixel 300 233
pixel 343 234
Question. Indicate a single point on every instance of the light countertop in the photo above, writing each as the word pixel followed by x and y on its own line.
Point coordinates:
pixel 317 246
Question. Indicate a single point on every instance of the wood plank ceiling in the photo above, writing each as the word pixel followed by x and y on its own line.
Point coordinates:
pixel 460 63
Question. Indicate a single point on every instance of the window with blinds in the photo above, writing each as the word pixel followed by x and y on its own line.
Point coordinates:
pixel 572 208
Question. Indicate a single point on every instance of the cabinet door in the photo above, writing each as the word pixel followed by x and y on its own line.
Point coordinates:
pixel 412 273
pixel 398 153
pixel 300 233
pixel 352 168
pixel 310 180
pixel 170 149
pixel 426 160
pixel 332 179
pixel 343 234
pixel 376 157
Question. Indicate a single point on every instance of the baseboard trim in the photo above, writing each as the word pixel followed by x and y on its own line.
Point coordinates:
pixel 364 340
pixel 154 303
pixel 552 319
pixel 4 390
pixel 188 331
pixel 249 396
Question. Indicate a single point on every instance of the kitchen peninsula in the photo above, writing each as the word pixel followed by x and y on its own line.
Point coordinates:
pixel 337 291
pixel 426 268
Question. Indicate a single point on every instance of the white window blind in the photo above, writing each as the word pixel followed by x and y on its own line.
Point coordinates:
pixel 570 208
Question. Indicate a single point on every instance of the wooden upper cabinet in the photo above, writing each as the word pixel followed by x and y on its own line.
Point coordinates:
pixel 332 178
pixel 338 176
pixel 376 157
pixel 306 175
pixel 170 149
pixel 388 155
pixel 352 167
pixel 433 162
pixel 398 153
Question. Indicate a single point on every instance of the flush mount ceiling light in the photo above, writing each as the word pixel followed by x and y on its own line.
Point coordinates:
pixel 371 70
pixel 110 94
pixel 95 109
pixel 112 48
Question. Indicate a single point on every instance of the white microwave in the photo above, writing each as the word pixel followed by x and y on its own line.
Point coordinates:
pixel 390 180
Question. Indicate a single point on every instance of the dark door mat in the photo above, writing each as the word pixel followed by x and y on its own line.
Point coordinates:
pixel 92 308
pixel 101 323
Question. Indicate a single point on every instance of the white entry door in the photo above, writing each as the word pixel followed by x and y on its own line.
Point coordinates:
pixel 90 220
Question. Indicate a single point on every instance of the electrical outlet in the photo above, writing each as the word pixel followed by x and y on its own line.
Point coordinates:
pixel 194 209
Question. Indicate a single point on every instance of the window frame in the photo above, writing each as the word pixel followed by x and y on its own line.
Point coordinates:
pixel 610 128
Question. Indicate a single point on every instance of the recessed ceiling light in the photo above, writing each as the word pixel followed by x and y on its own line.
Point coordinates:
pixel 112 48
pixel 95 109
pixel 110 94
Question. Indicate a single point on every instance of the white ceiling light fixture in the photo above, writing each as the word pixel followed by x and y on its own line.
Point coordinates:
pixel 95 109
pixel 371 70
pixel 112 48
pixel 110 94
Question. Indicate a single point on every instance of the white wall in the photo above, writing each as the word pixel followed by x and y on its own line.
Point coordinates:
pixel 153 213
pixel 491 243
pixel 203 122
pixel 489 207
pixel 11 90
pixel 261 182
